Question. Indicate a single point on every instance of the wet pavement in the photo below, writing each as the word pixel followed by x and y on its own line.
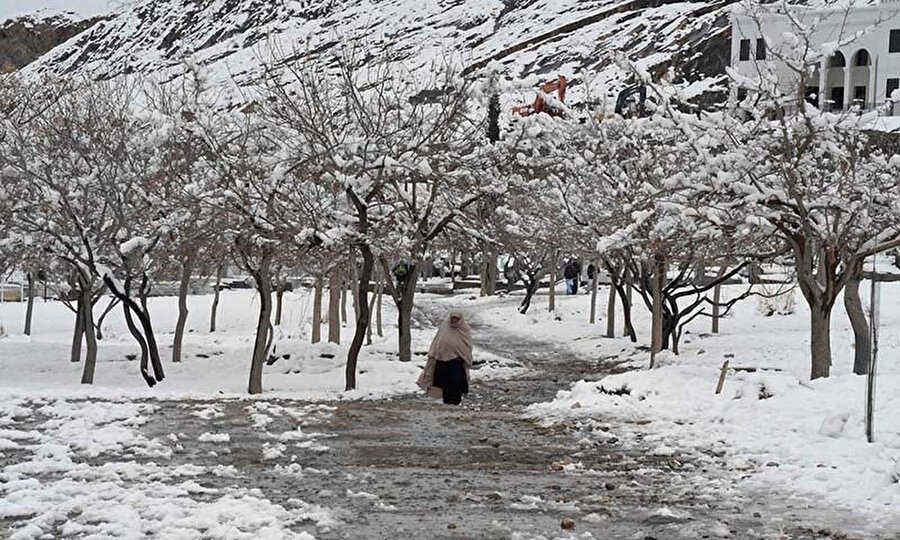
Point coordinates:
pixel 412 467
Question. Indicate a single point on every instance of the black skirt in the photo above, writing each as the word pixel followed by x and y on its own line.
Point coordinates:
pixel 451 378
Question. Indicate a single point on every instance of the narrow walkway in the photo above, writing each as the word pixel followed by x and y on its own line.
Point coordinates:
pixel 482 471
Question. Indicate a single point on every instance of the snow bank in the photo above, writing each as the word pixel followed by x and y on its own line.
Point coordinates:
pixel 770 419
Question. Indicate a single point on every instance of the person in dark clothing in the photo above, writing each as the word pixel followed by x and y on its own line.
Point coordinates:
pixel 452 379
pixel 446 374
pixel 571 272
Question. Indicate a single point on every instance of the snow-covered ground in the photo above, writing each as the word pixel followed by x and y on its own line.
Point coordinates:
pixel 213 363
pixel 84 460
pixel 773 423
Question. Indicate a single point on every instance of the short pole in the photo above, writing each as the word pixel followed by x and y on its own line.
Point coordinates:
pixel 722 377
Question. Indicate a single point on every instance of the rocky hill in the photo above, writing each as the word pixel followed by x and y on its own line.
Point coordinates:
pixel 578 38
pixel 24 39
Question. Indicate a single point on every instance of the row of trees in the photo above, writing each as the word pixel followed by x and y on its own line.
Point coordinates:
pixel 113 185
pixel 345 169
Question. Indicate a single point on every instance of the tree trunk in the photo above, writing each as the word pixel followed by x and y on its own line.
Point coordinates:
pixel 621 283
pixel 136 334
pixel 532 283
pixel 334 306
pixel 279 302
pixel 553 270
pixel 344 286
pixel 717 295
pixel 143 315
pixel 656 335
pixel 90 338
pixel 627 302
pixel 820 340
pixel 362 316
pixel 371 310
pixel 853 306
pixel 183 289
pixel 263 280
pixel 405 308
pixel 29 310
pixel 215 305
pixel 317 309
pixel 594 282
pixel 611 313
pixel 493 270
pixel 453 269
pixel 379 329
pixel 354 287
pixel 717 298
pixel 78 334
pixel 102 318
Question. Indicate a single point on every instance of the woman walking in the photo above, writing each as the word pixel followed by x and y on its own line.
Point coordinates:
pixel 446 374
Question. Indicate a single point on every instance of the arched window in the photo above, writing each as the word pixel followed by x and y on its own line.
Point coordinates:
pixel 837 60
pixel 862 58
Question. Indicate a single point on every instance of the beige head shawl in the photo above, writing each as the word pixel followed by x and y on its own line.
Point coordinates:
pixel 453 340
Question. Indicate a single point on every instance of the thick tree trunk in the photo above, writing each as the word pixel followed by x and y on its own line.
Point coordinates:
pixel 78 334
pixel 183 289
pixel 215 305
pixel 29 309
pixel 279 302
pixel 594 282
pixel 334 306
pixel 263 280
pixel 853 306
pixel 362 316
pixel 90 338
pixel 820 341
pixel 317 309
pixel 611 313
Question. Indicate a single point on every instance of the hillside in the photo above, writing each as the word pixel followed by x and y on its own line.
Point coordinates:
pixel 24 39
pixel 529 37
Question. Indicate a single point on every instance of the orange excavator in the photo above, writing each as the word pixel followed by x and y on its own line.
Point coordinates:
pixel 541 105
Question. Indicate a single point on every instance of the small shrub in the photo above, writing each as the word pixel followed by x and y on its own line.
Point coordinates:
pixel 623 391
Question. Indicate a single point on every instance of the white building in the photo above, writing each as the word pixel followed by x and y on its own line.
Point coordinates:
pixel 862 71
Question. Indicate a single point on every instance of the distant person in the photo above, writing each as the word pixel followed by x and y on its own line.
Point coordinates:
pixel 571 272
pixel 446 374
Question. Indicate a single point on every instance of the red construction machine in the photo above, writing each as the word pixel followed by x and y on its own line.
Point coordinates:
pixel 540 104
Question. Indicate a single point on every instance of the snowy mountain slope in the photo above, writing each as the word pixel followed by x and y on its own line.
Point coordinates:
pixel 578 38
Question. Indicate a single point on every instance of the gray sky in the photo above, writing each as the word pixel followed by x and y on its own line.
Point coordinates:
pixel 11 8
